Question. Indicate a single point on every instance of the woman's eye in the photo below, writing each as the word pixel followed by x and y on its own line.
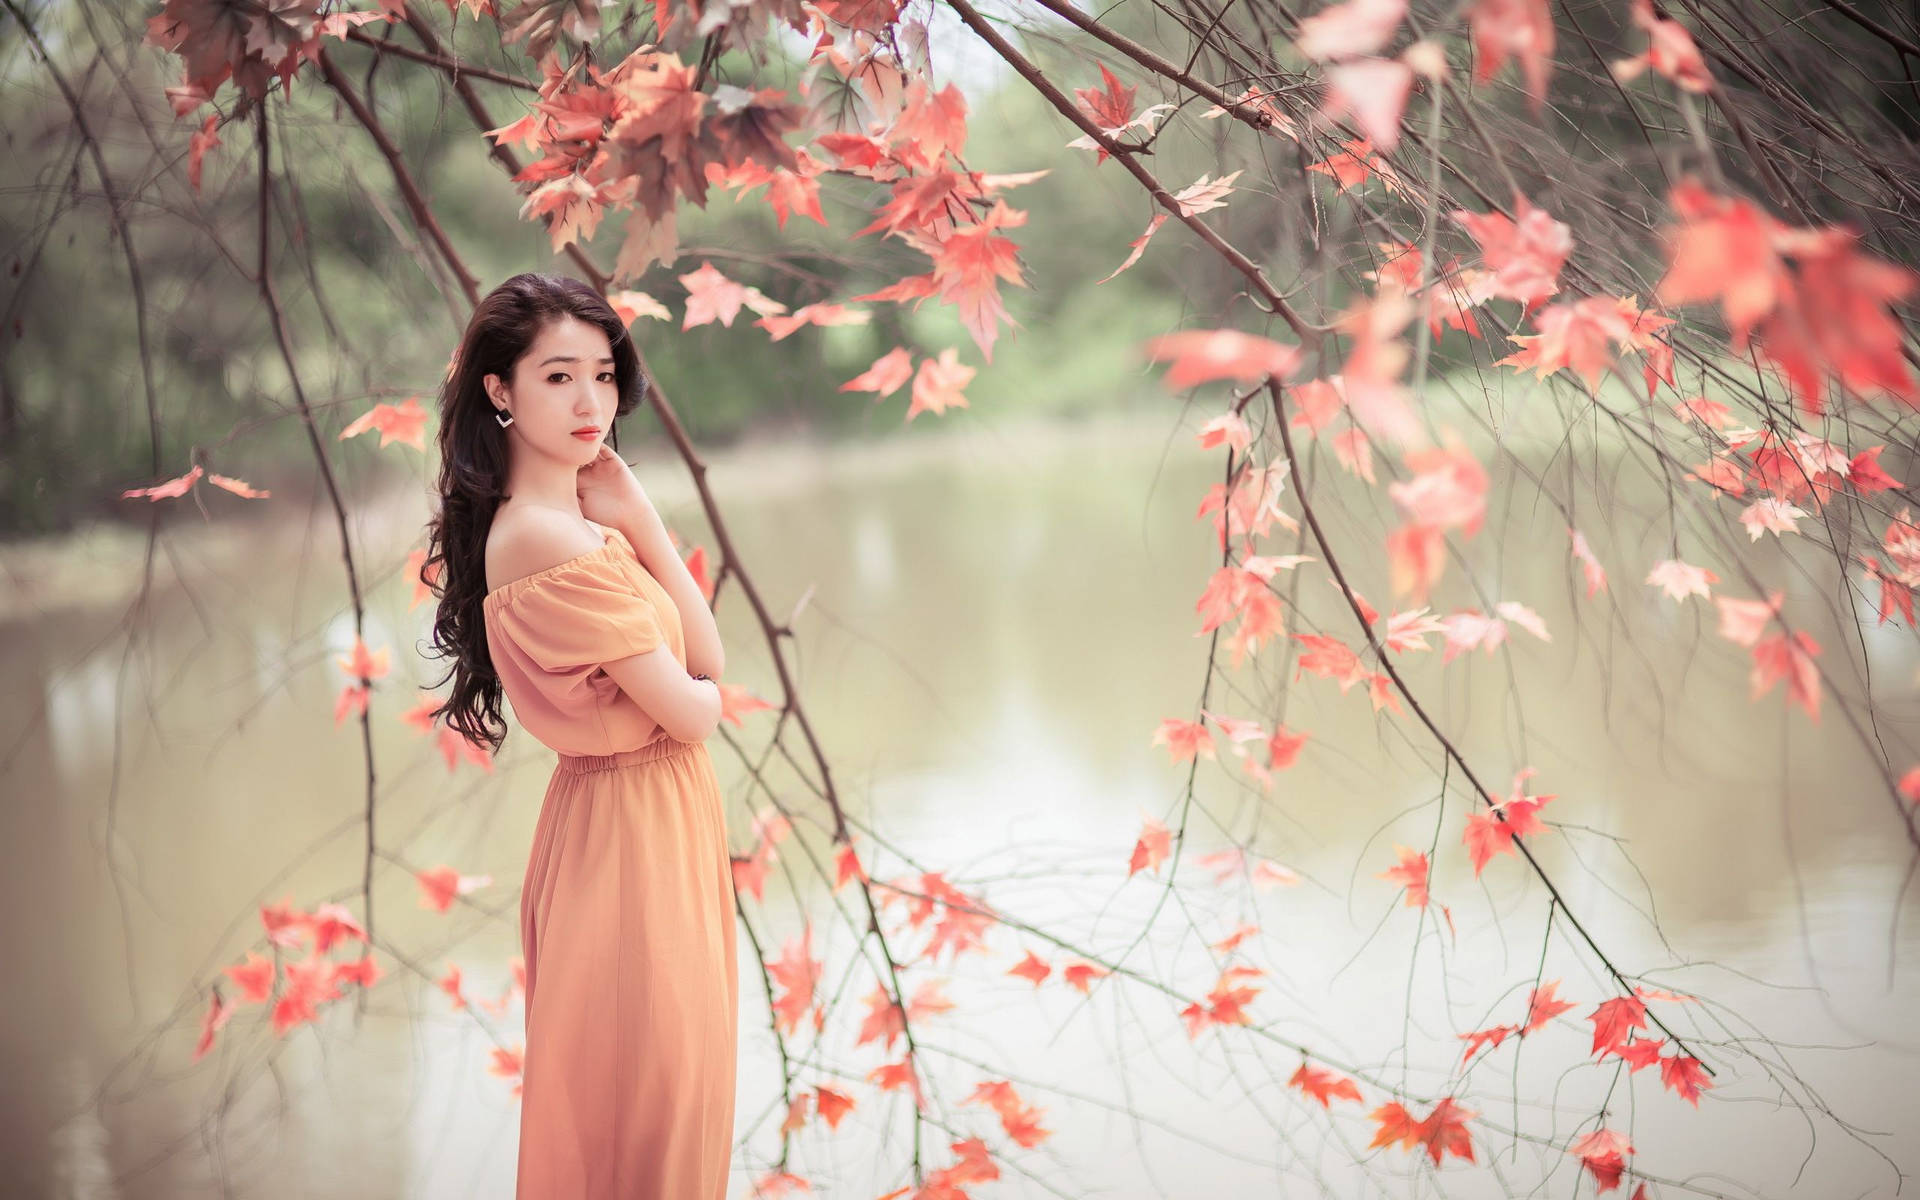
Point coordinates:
pixel 607 375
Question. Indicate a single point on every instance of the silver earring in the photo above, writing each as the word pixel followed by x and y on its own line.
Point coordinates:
pixel 504 417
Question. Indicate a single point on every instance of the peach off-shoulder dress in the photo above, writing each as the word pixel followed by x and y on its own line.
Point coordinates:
pixel 626 913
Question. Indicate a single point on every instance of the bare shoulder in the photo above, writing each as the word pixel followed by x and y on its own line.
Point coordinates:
pixel 523 540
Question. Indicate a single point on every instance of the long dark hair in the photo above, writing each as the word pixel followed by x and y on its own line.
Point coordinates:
pixel 473 474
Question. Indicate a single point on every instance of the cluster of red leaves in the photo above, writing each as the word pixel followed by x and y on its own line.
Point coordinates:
pixel 1783 654
pixel 1614 1024
pixel 1542 1006
pixel 1780 469
pixel 768 828
pixel 1604 1153
pixel 1225 1003
pixel 975 1165
pixel 1019 1120
pixel 642 134
pixel 960 920
pixel 252 44
pixel 1348 39
pixel 827 1103
pixel 1807 299
pixel 310 981
pixel 1901 573
pixel 1441 1131
pixel 1491 830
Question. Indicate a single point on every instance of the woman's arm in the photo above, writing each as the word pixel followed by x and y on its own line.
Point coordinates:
pixel 642 525
pixel 687 708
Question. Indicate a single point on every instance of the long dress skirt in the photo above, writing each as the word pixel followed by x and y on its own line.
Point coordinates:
pixel 627 927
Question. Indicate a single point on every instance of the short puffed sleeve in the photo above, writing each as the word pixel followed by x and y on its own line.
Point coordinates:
pixel 581 613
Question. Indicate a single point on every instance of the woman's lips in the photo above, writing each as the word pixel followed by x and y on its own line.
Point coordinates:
pixel 586 435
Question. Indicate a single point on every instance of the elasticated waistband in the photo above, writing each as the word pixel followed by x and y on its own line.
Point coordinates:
pixel 665 747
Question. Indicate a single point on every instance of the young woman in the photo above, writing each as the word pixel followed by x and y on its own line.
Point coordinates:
pixel 559 587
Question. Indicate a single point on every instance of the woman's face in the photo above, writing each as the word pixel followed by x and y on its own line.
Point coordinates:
pixel 563 383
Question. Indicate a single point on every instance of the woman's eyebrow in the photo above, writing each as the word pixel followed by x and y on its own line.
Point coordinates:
pixel 566 358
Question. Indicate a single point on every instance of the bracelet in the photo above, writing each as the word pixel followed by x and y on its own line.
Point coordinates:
pixel 708 678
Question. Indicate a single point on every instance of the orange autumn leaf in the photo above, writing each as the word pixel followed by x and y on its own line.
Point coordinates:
pixel 1670 51
pixel 1614 1019
pixel 1491 831
pixel 1373 91
pixel 450 984
pixel 331 923
pixel 750 873
pixel 1596 575
pixel 1442 1131
pixel 509 1062
pixel 971 263
pixel 1490 1037
pixel 1353 28
pixel 172 488
pixel 1151 849
pixel 937 384
pixel 884 1021
pixel 1225 1004
pixel 439 886
pixel 736 701
pixel 1410 873
pixel 1544 1005
pixel 1324 1085
pixel 285 924
pixel 218 1013
pixel 1680 580
pixel 1354 164
pixel 1602 1152
pixel 846 865
pixel 823 315
pixel 1684 1075
pixel 884 376
pixel 403 422
pixel 1080 974
pixel 831 1105
pixel 1111 109
pixel 1184 740
pixel 253 977
pixel 1524 252
pixel 310 981
pixel 1032 967
pixel 1204 355
pixel 1810 301
pixel 797 973
pixel 1019 1120
pixel 1517 29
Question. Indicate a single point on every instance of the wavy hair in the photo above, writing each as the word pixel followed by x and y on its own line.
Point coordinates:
pixel 473 475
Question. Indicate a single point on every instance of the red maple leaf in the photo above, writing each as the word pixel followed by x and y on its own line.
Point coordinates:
pixel 1521 29
pixel 1544 1006
pixel 1614 1018
pixel 1684 1074
pixel 1411 874
pixel 1151 849
pixel 1324 1085
pixel 1524 252
pixel 1603 1152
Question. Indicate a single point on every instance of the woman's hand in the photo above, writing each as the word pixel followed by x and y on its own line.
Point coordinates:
pixel 610 493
